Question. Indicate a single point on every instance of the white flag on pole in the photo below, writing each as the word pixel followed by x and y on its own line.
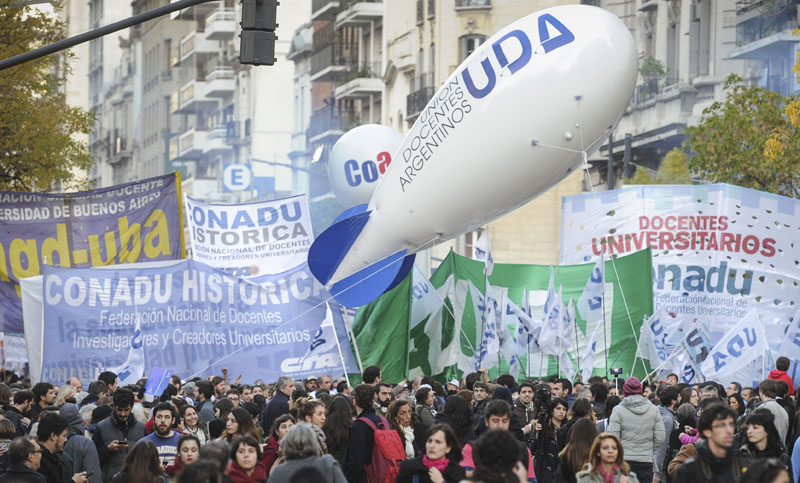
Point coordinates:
pixel 551 293
pixel 483 251
pixel 551 337
pixel 741 345
pixel 587 360
pixel 790 347
pixel 324 339
pixel 485 306
pixel 133 368
pixel 590 305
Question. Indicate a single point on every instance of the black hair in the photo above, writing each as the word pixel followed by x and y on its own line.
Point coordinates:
pixel 338 420
pixel 123 398
pixel 216 427
pixel 110 378
pixel 371 374
pixel 364 395
pixel 278 421
pixel 527 384
pixel 205 388
pixel 51 424
pixel 782 363
pixel 21 397
pixel 471 379
pixel 98 387
pixel 454 455
pixel 341 387
pixel 713 413
pixel 494 463
pixel 422 395
pixel 225 406
pixel 767 386
pixel 764 418
pixel 506 380
pixel 459 414
pixel 20 448
pixel 40 390
pixel 497 407
pixel 599 391
pixel 668 395
pixel 164 406
pixel 565 384
pixel 185 438
pixel 739 399
pixel 247 441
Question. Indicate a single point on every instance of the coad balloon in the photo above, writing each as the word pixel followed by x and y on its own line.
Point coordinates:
pixel 510 122
pixel 359 159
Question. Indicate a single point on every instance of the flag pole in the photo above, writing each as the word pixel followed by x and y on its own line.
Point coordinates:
pixel 577 352
pixel 352 337
pixel 603 308
pixel 339 348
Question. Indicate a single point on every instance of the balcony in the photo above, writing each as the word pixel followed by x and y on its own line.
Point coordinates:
pixel 329 122
pixel 191 144
pixel 120 148
pixel 324 9
pixel 356 13
pixel 195 44
pixel 761 36
pixel 192 97
pixel 332 60
pixel 473 4
pixel 220 82
pixel 221 24
pixel 416 101
pixel 359 81
pixel 647 90
pixel 216 141
pixel 196 12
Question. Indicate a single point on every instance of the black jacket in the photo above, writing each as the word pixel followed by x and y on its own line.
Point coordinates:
pixel 707 468
pixel 359 448
pixel 454 472
pixel 420 431
pixel 278 406
pixel 52 467
pixel 513 426
pixel 464 434
pixel 15 416
pixel 21 474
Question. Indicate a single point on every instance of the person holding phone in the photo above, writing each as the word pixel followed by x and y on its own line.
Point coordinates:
pixel 117 433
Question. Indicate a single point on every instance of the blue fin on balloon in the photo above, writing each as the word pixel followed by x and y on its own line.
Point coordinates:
pixel 356 210
pixel 408 264
pixel 330 248
pixel 368 283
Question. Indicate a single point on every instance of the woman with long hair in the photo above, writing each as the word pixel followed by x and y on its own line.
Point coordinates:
pixel 440 463
pixel 736 403
pixel 246 465
pixel 222 408
pixel 606 462
pixel 191 424
pixel 412 431
pixel 65 395
pixel 142 465
pixel 239 423
pixel 301 450
pixel 312 413
pixel 691 396
pixel 763 440
pixel 575 454
pixel 337 425
pixel 272 449
pixel 550 441
pixel 188 451
pixel 458 415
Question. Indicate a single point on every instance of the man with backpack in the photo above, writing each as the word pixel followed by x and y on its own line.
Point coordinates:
pixel 374 451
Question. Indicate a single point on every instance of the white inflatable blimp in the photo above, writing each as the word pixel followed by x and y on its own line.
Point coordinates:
pixel 513 119
pixel 359 159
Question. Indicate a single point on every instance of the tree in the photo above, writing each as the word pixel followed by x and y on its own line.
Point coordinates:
pixel 749 140
pixel 674 169
pixel 37 149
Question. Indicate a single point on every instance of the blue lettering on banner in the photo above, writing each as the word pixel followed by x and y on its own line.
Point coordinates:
pixel 420 290
pixel 564 37
pixel 735 347
pixel 368 170
pixel 266 216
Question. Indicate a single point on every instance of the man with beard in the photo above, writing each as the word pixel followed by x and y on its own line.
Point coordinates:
pixel 17 412
pixel 523 406
pixel 52 436
pixel 165 439
pixel 383 397
pixel 116 434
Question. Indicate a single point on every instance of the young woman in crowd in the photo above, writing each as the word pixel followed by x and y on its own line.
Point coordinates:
pixel 582 408
pixel 65 395
pixel 188 450
pixel 611 403
pixel 271 450
pixel 439 464
pixel 312 413
pixel 575 454
pixel 239 423
pixel 496 459
pixel 763 440
pixel 458 415
pixel 691 396
pixel 412 432
pixel 553 442
pixel 191 424
pixel 607 462
pixel 302 452
pixel 246 465
pixel 736 403
pixel 222 408
pixel 425 410
pixel 142 465
pixel 337 426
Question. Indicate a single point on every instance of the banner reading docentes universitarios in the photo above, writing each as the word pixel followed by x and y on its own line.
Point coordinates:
pixel 128 223
pixel 251 239
pixel 194 319
pixel 718 250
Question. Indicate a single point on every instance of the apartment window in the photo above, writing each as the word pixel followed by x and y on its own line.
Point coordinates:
pixel 420 83
pixel 431 8
pixel 431 63
pixel 699 38
pixel 469 43
pixel 420 11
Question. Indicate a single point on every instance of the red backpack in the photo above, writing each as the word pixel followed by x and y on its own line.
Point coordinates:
pixel 387 453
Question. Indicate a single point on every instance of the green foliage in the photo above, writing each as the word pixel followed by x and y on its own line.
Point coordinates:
pixel 674 169
pixel 747 141
pixel 641 176
pixel 37 149
pixel 652 69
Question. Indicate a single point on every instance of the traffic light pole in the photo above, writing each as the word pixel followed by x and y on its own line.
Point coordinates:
pixel 98 32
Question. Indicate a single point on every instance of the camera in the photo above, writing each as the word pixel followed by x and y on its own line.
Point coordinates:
pixel 616 371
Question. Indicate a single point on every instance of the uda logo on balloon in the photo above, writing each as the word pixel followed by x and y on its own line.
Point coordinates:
pixel 359 159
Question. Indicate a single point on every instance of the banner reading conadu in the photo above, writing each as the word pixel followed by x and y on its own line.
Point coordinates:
pixel 718 250
pixel 128 223
pixel 194 319
pixel 251 239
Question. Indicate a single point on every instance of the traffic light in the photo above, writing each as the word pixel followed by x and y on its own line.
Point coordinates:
pixel 259 21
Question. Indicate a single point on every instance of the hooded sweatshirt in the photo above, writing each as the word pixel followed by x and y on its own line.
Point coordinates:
pixel 782 376
pixel 80 448
pixel 638 424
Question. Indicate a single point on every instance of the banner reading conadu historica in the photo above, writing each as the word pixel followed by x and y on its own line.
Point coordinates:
pixel 251 239
pixel 128 223
pixel 718 250
pixel 194 319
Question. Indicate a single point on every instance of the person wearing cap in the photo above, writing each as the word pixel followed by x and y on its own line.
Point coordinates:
pixel 452 387
pixel 638 424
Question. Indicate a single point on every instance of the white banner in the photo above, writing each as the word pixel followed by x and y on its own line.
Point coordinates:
pixel 742 345
pixel 251 239
pixel 718 250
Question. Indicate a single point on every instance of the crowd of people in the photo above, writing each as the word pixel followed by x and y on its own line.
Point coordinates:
pixel 316 430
